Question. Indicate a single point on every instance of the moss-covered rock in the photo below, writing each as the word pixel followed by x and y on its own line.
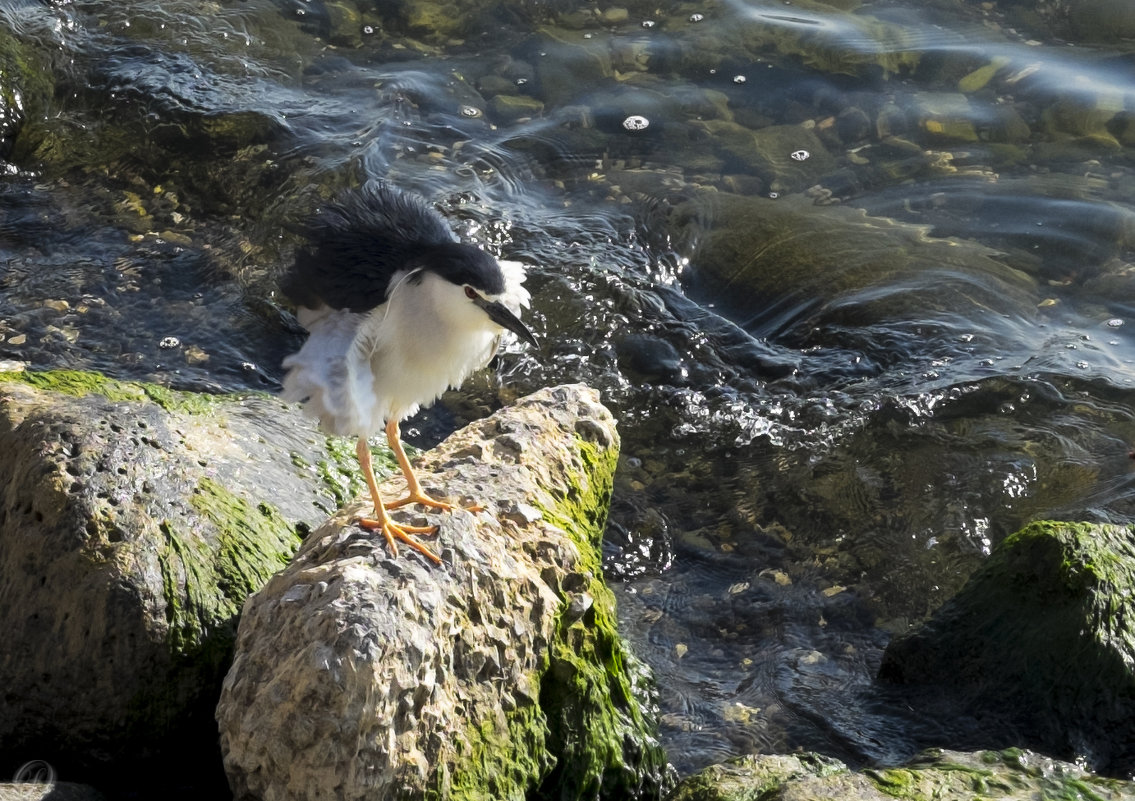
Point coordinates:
pixel 26 85
pixel 134 521
pixel 935 775
pixel 753 252
pixel 1043 636
pixel 498 675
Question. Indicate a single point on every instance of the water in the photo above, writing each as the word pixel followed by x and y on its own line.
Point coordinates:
pixel 841 379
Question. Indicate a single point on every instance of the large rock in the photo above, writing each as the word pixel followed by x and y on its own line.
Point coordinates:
pixel 1043 636
pixel 934 775
pixel 134 521
pixel 759 253
pixel 498 675
pixel 26 82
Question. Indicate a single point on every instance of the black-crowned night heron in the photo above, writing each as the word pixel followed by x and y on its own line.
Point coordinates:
pixel 398 312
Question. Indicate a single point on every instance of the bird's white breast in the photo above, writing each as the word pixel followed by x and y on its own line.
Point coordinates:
pixel 358 370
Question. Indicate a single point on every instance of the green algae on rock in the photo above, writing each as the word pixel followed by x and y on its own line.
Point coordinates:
pixel 26 86
pixel 135 521
pixel 934 775
pixel 1042 634
pixel 499 675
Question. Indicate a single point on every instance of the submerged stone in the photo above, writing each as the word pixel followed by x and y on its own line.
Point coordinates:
pixel 510 108
pixel 1043 635
pixel 752 252
pixel 568 65
pixel 768 152
pixel 26 86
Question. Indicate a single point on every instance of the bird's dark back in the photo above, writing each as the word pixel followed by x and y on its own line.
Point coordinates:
pixel 356 244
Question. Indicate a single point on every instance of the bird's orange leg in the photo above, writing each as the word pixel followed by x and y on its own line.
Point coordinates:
pixel 416 494
pixel 382 522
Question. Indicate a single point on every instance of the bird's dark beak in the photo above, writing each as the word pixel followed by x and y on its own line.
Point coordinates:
pixel 500 314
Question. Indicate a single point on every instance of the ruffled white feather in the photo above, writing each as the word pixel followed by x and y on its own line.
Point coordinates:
pixel 356 371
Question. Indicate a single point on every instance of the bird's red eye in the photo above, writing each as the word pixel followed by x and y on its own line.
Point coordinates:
pixel 470 293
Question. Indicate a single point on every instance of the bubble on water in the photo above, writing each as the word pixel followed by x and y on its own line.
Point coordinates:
pixel 739 79
pixel 648 23
pixel 697 17
pixel 774 195
pixel 636 122
pixel 368 30
pixel 169 342
pixel 800 155
pixel 470 111
pixel 1114 322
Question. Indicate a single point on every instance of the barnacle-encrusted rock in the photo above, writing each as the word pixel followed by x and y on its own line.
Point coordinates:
pixel 498 675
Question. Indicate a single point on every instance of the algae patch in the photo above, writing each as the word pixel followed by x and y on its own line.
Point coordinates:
pixel 79 383
pixel 208 571
pixel 340 471
pixel 593 684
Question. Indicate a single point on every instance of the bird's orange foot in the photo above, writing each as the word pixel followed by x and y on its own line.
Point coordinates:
pixel 396 532
pixel 426 500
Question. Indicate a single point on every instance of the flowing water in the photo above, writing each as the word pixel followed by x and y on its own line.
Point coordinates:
pixel 858 279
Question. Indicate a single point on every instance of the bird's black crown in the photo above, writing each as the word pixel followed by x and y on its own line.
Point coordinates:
pixel 357 244
pixel 460 264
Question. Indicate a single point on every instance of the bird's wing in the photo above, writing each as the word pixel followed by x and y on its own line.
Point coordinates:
pixel 331 374
pixel 357 244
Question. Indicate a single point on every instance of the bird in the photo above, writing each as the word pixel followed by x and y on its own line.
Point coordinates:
pixel 397 311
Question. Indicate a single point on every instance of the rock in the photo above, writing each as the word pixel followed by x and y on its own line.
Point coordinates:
pixel 26 86
pixel 568 66
pixel 768 153
pixel 936 774
pixel 495 676
pixel 1097 20
pixel 945 116
pixel 853 125
pixel 133 524
pixel 510 108
pixel 754 252
pixel 1042 635
pixel 980 77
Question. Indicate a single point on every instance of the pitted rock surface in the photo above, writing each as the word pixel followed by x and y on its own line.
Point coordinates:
pixel 359 674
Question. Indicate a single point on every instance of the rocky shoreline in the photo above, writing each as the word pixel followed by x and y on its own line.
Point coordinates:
pixel 136 522
pixel 354 674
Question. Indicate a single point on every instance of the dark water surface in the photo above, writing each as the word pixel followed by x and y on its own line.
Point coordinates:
pixel 841 378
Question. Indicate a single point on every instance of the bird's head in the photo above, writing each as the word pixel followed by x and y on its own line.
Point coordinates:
pixel 475 288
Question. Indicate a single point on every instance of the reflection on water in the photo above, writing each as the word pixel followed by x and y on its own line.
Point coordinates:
pixel 840 378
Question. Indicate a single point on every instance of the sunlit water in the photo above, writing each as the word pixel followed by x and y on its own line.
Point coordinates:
pixel 814 457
